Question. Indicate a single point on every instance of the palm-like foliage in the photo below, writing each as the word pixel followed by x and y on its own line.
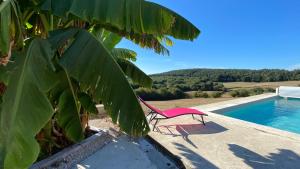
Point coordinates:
pixel 123 57
pixel 59 59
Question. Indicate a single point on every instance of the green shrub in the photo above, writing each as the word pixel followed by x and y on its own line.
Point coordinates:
pixel 216 94
pixel 269 90
pixel 218 87
pixel 234 93
pixel 201 94
pixel 160 94
pixel 240 93
pixel 183 87
pixel 257 91
pixel 178 93
pixel 244 93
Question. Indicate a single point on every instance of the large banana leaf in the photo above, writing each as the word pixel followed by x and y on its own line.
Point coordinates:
pixel 5 14
pixel 10 26
pixel 109 39
pixel 121 55
pixel 5 72
pixel 149 42
pixel 126 17
pixel 134 73
pixel 87 103
pixel 68 116
pixel 25 108
pixel 124 53
pixel 89 62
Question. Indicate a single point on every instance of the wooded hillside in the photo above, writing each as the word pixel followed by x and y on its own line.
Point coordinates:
pixel 232 75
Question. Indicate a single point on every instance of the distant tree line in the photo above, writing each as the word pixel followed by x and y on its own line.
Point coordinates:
pixel 173 88
pixel 186 84
pixel 160 94
pixel 232 75
pixel 174 84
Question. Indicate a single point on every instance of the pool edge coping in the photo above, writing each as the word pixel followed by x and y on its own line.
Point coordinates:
pixel 234 102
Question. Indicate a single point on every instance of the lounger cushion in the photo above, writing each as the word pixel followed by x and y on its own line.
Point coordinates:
pixel 181 111
pixel 173 112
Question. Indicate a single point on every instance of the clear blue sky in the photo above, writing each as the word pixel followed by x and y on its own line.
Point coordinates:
pixel 250 34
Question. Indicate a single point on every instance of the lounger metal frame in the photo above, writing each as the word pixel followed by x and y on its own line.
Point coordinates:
pixel 153 116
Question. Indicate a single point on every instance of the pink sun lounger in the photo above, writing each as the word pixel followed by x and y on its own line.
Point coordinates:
pixel 170 113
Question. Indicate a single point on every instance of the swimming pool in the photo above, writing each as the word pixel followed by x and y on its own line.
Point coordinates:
pixel 275 112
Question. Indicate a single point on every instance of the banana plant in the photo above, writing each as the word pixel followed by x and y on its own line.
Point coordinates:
pixel 54 69
pixel 124 57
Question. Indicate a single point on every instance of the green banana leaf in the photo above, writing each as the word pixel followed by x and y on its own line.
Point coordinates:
pixel 91 64
pixel 134 73
pixel 109 39
pixel 10 26
pixel 68 116
pixel 25 108
pixel 124 53
pixel 126 17
pixel 121 55
pixel 87 103
pixel 5 19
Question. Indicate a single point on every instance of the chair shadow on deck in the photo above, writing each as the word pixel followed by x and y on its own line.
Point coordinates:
pixel 282 159
pixel 185 130
pixel 195 159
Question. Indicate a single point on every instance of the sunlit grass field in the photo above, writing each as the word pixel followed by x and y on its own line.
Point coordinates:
pixel 249 85
pixel 230 86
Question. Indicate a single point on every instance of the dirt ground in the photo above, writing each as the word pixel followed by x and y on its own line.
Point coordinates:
pixel 102 121
pixel 239 85
pixel 186 102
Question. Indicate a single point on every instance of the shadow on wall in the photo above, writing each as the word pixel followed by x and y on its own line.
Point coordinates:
pixel 185 130
pixel 283 159
pixel 196 160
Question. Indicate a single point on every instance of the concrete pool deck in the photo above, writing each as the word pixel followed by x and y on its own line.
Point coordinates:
pixel 226 142
pixel 123 152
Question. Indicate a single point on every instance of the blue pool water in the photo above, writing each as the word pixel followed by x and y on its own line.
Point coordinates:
pixel 277 112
